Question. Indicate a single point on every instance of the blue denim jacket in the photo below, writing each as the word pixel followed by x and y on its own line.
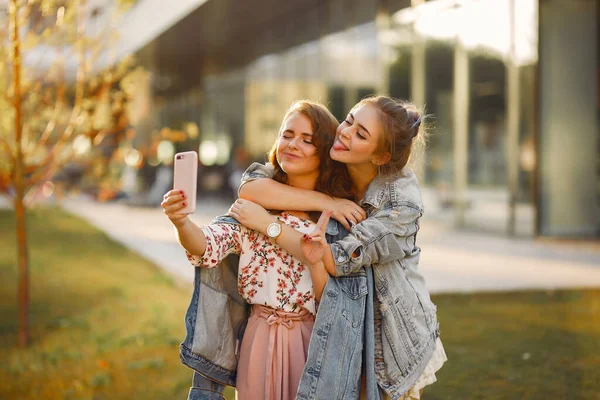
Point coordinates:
pixel 406 327
pixel 338 351
pixel 215 322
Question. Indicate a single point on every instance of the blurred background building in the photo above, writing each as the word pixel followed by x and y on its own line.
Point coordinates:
pixel 513 86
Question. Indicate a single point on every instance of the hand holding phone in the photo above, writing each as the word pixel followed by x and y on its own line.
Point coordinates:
pixel 185 178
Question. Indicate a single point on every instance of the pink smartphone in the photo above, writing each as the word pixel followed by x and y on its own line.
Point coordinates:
pixel 185 177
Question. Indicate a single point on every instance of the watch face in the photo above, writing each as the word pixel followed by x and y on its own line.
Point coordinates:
pixel 273 229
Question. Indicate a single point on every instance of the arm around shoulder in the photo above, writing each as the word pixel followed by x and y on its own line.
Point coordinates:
pixel 274 195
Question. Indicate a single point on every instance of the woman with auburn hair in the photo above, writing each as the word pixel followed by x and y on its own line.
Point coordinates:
pixel 282 290
pixel 402 348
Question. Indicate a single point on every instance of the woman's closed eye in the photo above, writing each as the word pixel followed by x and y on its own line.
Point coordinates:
pixel 290 136
pixel 360 136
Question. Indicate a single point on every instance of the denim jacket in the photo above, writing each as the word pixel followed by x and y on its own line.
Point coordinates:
pixel 215 322
pixel 217 316
pixel 405 327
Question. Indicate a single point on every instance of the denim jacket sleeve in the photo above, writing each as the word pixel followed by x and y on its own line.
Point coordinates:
pixel 257 171
pixel 388 235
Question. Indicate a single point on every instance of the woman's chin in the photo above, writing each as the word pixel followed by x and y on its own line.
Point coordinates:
pixel 289 169
pixel 338 156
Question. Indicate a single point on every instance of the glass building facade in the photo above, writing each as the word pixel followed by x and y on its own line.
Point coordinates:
pixel 511 85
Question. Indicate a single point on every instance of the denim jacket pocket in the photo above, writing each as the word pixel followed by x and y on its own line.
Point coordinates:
pixel 354 287
pixel 413 317
pixel 404 326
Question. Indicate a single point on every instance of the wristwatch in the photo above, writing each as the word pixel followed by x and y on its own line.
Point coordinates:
pixel 274 230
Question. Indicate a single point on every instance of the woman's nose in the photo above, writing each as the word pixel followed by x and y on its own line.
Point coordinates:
pixel 294 143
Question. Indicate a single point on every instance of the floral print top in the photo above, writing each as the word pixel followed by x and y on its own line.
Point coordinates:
pixel 267 274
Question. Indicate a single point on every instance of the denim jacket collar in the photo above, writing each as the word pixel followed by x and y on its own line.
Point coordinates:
pixel 403 190
pixel 375 192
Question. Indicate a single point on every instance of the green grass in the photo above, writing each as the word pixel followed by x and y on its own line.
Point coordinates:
pixel 520 345
pixel 106 324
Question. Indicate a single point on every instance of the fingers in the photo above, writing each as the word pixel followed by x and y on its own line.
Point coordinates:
pixel 353 220
pixel 359 213
pixel 235 211
pixel 341 219
pixel 348 207
pixel 173 193
pixel 319 239
pixel 172 197
pixel 349 214
pixel 235 208
pixel 314 238
pixel 241 202
pixel 324 220
pixel 356 216
pixel 174 209
pixel 173 203
pixel 234 214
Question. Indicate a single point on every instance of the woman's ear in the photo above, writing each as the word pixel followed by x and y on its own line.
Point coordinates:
pixel 382 158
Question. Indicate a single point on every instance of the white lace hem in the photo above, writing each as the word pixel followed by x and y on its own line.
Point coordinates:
pixel 428 376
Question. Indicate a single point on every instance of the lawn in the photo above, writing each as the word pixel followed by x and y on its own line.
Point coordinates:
pixel 520 345
pixel 106 324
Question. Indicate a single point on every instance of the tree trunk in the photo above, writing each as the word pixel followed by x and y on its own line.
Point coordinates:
pixel 23 293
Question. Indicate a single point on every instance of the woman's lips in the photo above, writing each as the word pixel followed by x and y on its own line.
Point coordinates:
pixel 339 146
pixel 292 156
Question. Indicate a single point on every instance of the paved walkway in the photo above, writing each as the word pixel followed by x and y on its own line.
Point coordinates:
pixel 451 261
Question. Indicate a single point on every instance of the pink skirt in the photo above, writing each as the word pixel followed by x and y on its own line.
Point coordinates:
pixel 273 354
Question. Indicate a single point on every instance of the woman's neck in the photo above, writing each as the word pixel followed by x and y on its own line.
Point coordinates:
pixel 301 182
pixel 361 176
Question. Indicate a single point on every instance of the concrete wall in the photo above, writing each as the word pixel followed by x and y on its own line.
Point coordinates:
pixel 568 101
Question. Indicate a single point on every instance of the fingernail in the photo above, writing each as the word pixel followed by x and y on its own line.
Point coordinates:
pixel 184 204
pixel 181 191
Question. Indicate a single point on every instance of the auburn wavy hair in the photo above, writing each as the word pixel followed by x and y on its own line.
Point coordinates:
pixel 334 179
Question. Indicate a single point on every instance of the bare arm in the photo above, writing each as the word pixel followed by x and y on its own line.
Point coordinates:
pixel 189 235
pixel 259 187
pixel 319 277
pixel 191 238
pixel 313 247
pixel 283 197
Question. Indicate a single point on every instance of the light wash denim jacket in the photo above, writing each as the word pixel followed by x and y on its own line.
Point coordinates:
pixel 215 322
pixel 217 316
pixel 405 322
